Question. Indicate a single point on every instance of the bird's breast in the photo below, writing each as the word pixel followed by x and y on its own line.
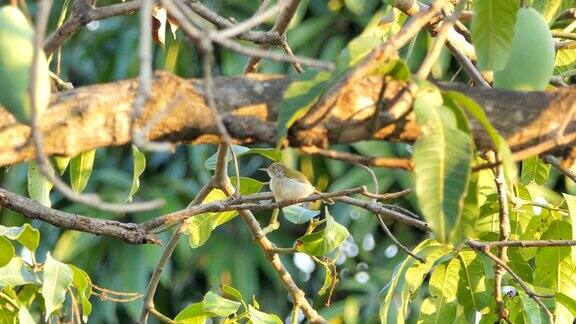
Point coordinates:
pixel 284 188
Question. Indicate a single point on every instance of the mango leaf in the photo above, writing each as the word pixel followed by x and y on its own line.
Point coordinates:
pixel 299 98
pixel 323 241
pixel 441 306
pixel 16 63
pixel 571 202
pixel 139 165
pixel 200 227
pixel 531 312
pixel 57 279
pixel 466 224
pixel 38 186
pixel 232 292
pixel 493 31
pixel 7 253
pixel 61 163
pixel 499 143
pixel 567 301
pixel 269 153
pixel 24 315
pixel 565 60
pixel 299 215
pixel 395 295
pixel 551 9
pixel 443 161
pixel 259 317
pixel 82 282
pixel 218 305
pixel 193 314
pixel 16 273
pixel 327 280
pixel 473 288
pixel 534 169
pixel 554 268
pixel 81 169
pixel 26 235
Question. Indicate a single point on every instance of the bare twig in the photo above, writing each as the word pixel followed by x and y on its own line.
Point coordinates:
pixel 267 247
pixel 501 264
pixel 280 27
pixel 439 41
pixel 382 162
pixel 46 170
pixel 525 243
pixel 397 242
pixel 380 54
pixel 504 233
pixel 130 233
pixel 148 303
pixel 556 164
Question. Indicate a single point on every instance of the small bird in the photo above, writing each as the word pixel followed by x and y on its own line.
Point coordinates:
pixel 288 184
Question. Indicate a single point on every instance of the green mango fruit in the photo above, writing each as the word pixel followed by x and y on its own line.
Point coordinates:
pixel 532 59
pixel 16 51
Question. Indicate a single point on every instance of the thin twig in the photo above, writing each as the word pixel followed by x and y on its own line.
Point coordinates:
pixel 504 233
pixel 148 303
pixel 501 264
pixel 553 161
pixel 382 162
pixel 396 241
pixel 92 200
pixel 439 41
pixel 267 247
pixel 280 27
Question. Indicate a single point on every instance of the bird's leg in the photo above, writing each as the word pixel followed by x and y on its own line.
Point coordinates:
pixel 274 223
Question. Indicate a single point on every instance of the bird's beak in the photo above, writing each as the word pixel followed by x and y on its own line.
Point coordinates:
pixel 263 169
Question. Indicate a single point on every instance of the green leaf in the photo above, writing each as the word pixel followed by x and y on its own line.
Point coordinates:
pixel 200 227
pixel 38 186
pixel 565 60
pixel 16 55
pixel 299 98
pixel 571 203
pixel 567 301
pixel 297 214
pixel 26 235
pixel 443 161
pixel 193 314
pixel 16 273
pixel 441 306
pixel 554 267
pixel 139 165
pixel 500 143
pixel 232 292
pixel 259 317
pixel 470 212
pixel 394 297
pixel 83 284
pixel 323 241
pixel 81 169
pixel 551 9
pixel 493 31
pixel 269 153
pixel 61 163
pixel 531 312
pixel 327 280
pixel 474 290
pixel 219 305
pixel 24 316
pixel 7 251
pixel 534 169
pixel 57 279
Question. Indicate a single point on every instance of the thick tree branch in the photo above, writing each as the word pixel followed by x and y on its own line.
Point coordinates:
pixel 249 107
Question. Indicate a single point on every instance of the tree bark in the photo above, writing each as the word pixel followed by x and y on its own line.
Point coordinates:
pixel 99 116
